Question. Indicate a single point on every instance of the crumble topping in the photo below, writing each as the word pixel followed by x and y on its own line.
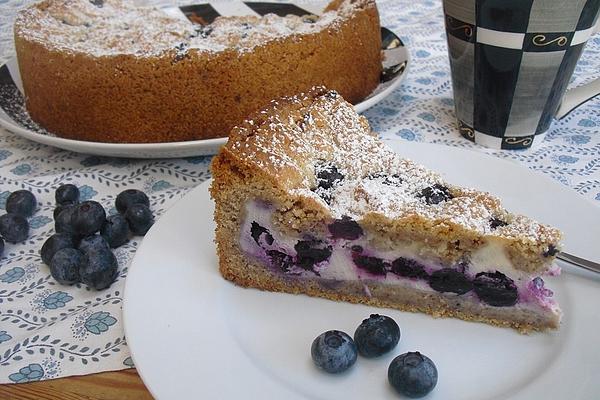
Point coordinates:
pixel 323 150
pixel 114 27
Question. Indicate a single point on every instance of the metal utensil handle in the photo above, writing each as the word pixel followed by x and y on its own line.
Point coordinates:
pixel 580 262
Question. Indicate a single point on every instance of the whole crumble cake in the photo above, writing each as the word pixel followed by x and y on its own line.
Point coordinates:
pixel 106 71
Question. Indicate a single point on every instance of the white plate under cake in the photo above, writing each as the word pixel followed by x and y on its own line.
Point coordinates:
pixel 308 200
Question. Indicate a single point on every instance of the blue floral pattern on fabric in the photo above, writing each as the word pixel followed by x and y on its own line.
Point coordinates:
pixel 4 337
pixel 30 373
pixel 57 300
pixel 12 275
pixel 48 330
pixel 99 322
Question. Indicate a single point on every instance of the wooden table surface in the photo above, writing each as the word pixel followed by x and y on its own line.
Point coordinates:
pixel 120 385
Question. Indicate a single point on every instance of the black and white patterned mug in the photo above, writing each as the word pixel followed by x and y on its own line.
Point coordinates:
pixel 511 61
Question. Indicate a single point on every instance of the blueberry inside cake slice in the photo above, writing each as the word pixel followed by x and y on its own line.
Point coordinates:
pixel 309 200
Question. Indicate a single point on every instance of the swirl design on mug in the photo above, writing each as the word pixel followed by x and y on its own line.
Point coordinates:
pixel 466 131
pixel 526 141
pixel 540 41
pixel 455 25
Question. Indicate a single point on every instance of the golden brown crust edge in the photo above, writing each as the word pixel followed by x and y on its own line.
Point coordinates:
pixel 127 99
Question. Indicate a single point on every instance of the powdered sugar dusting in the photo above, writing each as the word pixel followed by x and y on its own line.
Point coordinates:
pixel 302 137
pixel 114 27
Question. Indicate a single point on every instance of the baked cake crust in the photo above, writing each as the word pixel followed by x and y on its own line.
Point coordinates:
pixel 114 73
pixel 271 158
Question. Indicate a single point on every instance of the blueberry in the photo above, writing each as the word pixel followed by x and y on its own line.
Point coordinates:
pixel 62 221
pixel 332 94
pixel 551 251
pixel 92 243
pixel 97 3
pixel 203 31
pixel 14 228
pixel 408 268
pixel 66 194
pixel 310 19
pixel 333 351
pixel 60 208
pixel 376 335
pixel 128 197
pixel 496 222
pixel 99 269
pixel 435 194
pixel 1 247
pixel 496 289
pixel 54 243
pixel 257 230
pixel 374 265
pixel 21 202
pixel 450 280
pixel 311 252
pixel 393 180
pixel 356 249
pixel 115 230
pixel 412 374
pixel 65 265
pixel 327 175
pixel 87 218
pixel 139 218
pixel 345 228
pixel 280 260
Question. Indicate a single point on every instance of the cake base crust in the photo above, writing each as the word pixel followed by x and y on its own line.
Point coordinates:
pixel 252 275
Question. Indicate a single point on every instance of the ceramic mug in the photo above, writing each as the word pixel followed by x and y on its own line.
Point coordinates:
pixel 511 61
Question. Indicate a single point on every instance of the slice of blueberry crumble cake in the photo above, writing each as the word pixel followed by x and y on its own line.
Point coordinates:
pixel 309 200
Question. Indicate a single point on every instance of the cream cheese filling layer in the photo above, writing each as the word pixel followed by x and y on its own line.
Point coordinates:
pixel 340 266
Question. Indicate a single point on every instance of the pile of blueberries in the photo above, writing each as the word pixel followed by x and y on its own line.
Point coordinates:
pixel 411 374
pixel 80 250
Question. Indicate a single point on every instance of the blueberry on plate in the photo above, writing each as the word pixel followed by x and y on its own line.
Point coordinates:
pixel 412 374
pixel 14 228
pixel 139 218
pixel 128 197
pixel 91 243
pixel 54 243
pixel 87 218
pixel 333 351
pixel 65 266
pixel 21 202
pixel 62 219
pixel 376 335
pixel 99 268
pixel 115 230
pixel 67 194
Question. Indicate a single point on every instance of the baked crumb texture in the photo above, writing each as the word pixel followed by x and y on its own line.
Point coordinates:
pixel 109 72
pixel 272 157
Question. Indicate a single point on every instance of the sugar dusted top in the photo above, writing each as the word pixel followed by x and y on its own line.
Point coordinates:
pixel 316 146
pixel 115 27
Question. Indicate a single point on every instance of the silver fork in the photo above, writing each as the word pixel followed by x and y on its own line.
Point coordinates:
pixel 578 261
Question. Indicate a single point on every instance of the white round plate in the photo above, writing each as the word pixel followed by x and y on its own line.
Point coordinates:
pixel 395 65
pixel 194 335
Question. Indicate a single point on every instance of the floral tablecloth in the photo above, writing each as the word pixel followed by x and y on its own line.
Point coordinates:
pixel 49 331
